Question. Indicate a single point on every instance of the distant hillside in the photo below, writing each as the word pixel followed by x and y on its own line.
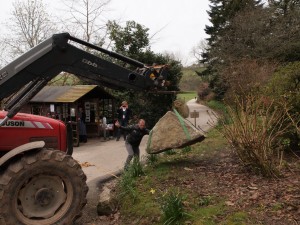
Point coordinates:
pixel 190 80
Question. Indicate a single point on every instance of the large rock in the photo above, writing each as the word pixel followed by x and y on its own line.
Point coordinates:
pixel 171 132
pixel 107 202
pixel 181 108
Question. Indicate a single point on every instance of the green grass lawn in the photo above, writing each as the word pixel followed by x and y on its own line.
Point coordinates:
pixel 186 96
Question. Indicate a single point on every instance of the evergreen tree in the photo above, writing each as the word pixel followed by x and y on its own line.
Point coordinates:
pixel 221 12
pixel 132 40
pixel 285 6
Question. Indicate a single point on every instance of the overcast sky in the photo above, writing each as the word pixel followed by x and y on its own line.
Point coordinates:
pixel 180 24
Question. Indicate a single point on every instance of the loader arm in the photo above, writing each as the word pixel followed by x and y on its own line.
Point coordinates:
pixel 32 70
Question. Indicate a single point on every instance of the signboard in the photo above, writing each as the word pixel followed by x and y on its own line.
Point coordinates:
pixel 87 112
pixel 194 114
pixel 52 108
pixel 72 112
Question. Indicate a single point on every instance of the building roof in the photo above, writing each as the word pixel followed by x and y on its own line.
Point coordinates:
pixel 65 94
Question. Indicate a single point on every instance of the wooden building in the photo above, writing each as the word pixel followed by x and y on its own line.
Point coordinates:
pixel 63 102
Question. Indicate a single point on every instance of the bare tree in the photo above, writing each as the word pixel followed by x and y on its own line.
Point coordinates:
pixel 28 26
pixel 199 49
pixel 87 19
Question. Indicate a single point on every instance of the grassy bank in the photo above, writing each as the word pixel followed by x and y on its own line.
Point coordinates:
pixel 170 190
pixel 206 184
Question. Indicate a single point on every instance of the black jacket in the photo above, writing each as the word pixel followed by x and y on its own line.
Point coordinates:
pixel 124 116
pixel 135 134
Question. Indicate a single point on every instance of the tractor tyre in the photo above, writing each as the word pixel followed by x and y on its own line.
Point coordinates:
pixel 42 188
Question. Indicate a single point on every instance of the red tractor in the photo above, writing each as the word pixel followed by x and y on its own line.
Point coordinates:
pixel 40 182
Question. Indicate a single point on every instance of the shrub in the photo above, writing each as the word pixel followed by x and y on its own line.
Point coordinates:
pixel 255 131
pixel 126 187
pixel 186 149
pixel 246 76
pixel 136 168
pixel 170 152
pixel 286 84
pixel 151 159
pixel 126 184
pixel 204 92
pixel 172 207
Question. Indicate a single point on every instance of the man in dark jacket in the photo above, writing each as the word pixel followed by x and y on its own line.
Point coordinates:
pixel 133 139
pixel 124 115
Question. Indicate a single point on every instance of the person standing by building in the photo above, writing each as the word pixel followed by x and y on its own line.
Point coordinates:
pixel 104 126
pixel 123 115
pixel 133 139
pixel 82 127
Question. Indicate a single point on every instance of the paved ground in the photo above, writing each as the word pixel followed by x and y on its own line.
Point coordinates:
pixel 205 116
pixel 102 160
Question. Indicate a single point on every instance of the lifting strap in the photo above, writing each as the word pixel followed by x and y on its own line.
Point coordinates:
pixel 187 134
